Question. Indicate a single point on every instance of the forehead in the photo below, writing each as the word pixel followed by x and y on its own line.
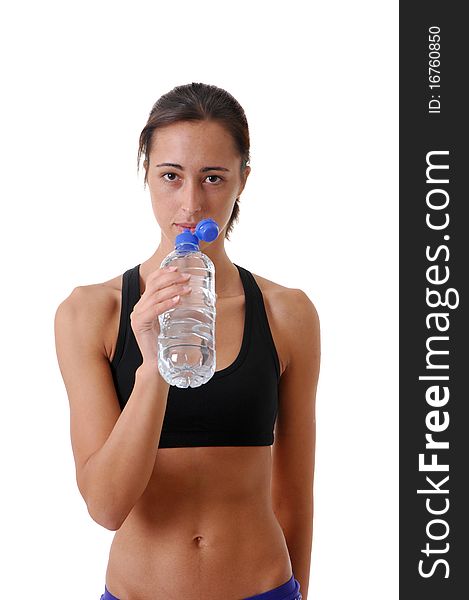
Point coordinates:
pixel 183 141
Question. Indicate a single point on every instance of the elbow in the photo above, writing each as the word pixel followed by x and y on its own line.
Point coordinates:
pixel 100 504
pixel 105 517
pixel 103 511
pixel 111 526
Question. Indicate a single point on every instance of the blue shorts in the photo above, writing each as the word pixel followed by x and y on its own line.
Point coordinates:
pixel 287 591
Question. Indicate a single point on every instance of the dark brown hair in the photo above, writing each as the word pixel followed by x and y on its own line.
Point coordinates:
pixel 199 102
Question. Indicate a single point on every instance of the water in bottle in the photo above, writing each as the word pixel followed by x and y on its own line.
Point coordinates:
pixel 186 344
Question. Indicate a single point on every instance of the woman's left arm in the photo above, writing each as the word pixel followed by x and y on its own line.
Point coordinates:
pixel 293 451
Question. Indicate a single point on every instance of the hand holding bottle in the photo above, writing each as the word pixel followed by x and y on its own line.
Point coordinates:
pixel 162 292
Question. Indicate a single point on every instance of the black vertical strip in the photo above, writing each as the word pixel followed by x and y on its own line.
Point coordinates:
pixel 434 229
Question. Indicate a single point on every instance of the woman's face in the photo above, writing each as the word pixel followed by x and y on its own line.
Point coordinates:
pixel 193 174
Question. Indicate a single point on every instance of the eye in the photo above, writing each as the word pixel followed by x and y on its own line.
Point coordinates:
pixel 217 176
pixel 175 175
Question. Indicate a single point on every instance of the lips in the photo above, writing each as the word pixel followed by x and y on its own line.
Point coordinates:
pixel 184 226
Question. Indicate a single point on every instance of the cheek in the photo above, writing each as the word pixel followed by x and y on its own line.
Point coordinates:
pixel 162 203
pixel 159 192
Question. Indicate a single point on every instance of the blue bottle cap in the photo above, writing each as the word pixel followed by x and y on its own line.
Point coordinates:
pixel 187 241
pixel 207 230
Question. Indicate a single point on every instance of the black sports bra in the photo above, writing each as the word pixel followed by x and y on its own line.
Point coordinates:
pixel 238 406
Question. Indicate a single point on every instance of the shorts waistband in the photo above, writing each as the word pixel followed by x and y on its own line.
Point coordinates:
pixel 290 590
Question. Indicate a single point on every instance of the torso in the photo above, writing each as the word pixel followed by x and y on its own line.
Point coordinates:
pixel 205 526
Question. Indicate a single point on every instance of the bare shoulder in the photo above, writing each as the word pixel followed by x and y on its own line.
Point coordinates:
pixel 287 302
pixel 93 307
pixel 292 316
pixel 93 301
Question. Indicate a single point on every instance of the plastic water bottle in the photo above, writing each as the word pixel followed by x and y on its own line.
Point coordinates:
pixel 186 344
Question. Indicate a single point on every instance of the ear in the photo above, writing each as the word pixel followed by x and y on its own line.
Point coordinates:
pixel 247 170
pixel 145 164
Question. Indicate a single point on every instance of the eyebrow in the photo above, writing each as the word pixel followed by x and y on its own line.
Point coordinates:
pixel 202 170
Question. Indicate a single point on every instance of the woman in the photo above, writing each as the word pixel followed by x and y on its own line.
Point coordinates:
pixel 205 501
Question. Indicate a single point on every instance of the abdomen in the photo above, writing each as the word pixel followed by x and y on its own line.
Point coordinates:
pixel 202 530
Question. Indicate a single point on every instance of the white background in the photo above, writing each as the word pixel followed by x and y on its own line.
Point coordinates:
pixel 318 82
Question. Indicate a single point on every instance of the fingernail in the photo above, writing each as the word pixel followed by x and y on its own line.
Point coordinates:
pixel 171 268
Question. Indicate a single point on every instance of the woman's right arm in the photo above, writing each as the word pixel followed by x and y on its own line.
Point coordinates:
pixel 114 450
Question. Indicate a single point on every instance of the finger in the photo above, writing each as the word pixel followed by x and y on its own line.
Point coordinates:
pixel 146 316
pixel 171 291
pixel 162 279
pixel 154 299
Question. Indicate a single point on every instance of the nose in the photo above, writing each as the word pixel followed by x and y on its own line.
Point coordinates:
pixel 191 200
